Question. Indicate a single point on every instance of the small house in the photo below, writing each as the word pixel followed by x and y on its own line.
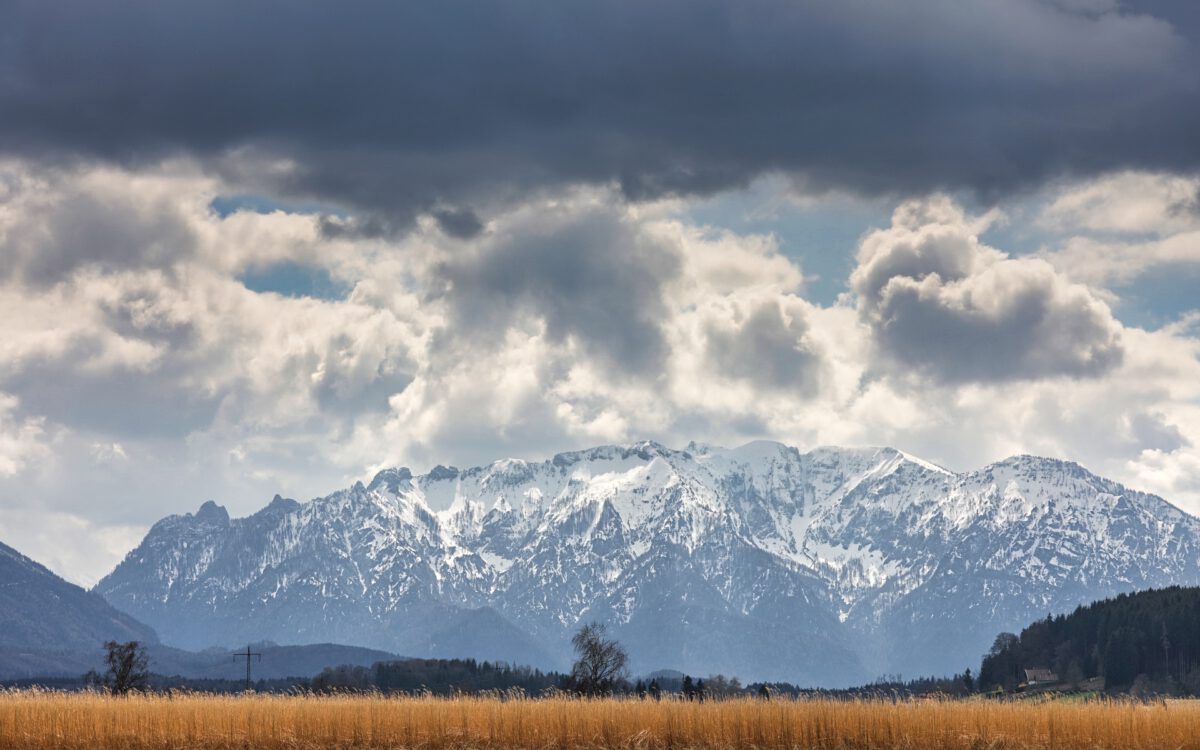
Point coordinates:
pixel 1039 676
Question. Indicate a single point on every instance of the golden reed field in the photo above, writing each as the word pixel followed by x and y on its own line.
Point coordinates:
pixel 34 719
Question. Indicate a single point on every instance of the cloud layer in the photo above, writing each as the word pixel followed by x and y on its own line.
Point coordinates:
pixel 139 375
pixel 249 248
pixel 402 109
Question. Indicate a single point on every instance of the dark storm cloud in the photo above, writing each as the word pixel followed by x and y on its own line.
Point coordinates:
pixel 81 228
pixel 402 107
pixel 1152 432
pixel 940 303
pixel 1031 330
pixel 591 279
pixel 123 402
pixel 766 349
pixel 461 223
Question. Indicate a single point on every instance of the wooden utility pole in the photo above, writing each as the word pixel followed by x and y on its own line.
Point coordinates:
pixel 248 655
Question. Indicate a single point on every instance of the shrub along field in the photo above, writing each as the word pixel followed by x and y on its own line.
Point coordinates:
pixel 41 719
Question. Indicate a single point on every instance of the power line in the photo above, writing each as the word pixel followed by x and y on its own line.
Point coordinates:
pixel 248 655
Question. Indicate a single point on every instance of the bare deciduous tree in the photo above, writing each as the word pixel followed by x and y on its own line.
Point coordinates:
pixel 601 664
pixel 128 667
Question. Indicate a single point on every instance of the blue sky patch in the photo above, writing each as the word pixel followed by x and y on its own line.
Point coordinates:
pixel 823 238
pixel 1159 296
pixel 226 205
pixel 292 279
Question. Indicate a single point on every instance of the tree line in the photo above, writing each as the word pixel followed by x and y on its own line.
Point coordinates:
pixel 436 676
pixel 1146 641
pixel 601 668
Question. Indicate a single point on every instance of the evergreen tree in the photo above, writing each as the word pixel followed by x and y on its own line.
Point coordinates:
pixel 1001 667
pixel 1120 658
pixel 1155 633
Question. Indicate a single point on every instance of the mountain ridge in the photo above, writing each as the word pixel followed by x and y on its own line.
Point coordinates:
pixel 39 608
pixel 763 561
pixel 52 628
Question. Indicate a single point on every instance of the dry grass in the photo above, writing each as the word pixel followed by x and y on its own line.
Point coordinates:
pixel 46 720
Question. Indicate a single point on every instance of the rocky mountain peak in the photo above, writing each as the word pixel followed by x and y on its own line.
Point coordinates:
pixel 210 512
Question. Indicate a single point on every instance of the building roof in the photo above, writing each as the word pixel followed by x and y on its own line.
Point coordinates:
pixel 1040 674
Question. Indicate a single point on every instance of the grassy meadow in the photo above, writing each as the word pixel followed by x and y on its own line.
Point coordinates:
pixel 38 719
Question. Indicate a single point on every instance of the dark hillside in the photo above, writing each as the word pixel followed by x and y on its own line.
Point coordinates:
pixel 40 611
pixel 1150 638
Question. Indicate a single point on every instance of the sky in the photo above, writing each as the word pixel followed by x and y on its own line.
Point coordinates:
pixel 271 247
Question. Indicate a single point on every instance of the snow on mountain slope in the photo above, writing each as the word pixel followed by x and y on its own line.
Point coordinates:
pixel 827 567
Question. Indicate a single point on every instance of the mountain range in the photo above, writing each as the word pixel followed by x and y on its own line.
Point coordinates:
pixel 826 567
pixel 52 628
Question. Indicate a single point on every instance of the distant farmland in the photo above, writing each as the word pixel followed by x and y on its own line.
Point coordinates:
pixel 32 719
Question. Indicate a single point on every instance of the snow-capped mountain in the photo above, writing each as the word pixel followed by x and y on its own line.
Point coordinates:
pixel 827 567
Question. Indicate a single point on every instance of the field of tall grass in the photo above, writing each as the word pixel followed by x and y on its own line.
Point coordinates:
pixel 33 719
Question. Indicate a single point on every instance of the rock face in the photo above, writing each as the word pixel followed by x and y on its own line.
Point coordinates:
pixel 50 626
pixel 828 567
